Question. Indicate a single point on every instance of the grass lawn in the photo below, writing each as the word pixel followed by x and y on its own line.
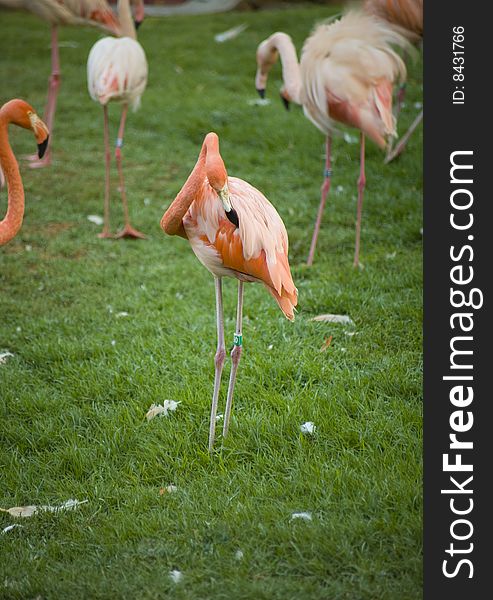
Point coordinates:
pixel 75 394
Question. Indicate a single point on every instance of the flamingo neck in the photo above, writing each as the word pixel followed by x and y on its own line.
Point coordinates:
pixel 172 221
pixel 282 44
pixel 126 21
pixel 12 222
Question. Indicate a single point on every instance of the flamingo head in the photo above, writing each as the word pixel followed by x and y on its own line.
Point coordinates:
pixel 267 56
pixel 216 171
pixel 23 114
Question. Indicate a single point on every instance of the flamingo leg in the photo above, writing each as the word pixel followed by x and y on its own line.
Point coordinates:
pixel 235 359
pixel 324 192
pixel 361 190
pixel 128 230
pixel 50 109
pixel 218 359
pixel 107 156
pixel 404 139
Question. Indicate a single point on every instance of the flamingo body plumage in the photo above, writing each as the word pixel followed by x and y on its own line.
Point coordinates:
pixel 256 250
pixel 117 71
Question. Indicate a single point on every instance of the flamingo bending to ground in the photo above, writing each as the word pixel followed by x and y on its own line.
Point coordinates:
pixel 22 114
pixel 235 232
pixel 63 12
pixel 408 15
pixel 346 74
pixel 117 71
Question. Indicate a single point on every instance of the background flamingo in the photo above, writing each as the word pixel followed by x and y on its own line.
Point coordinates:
pixel 63 12
pixel 346 74
pixel 117 70
pixel 22 114
pixel 235 232
pixel 408 15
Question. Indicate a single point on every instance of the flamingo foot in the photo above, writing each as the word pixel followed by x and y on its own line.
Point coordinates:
pixel 129 232
pixel 106 235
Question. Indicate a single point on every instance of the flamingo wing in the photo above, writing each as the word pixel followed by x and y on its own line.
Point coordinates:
pixel 254 249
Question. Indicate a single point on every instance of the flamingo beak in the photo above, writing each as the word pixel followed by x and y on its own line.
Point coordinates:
pixel 40 132
pixel 137 24
pixel 42 147
pixel 285 102
pixel 261 93
pixel 224 196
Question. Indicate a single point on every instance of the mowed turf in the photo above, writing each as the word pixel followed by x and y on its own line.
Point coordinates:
pixel 75 394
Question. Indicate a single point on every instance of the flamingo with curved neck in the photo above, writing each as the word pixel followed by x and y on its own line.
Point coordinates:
pixel 346 73
pixel 22 114
pixel 235 232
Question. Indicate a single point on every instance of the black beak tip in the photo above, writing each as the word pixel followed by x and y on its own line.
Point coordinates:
pixel 137 24
pixel 42 147
pixel 261 93
pixel 285 102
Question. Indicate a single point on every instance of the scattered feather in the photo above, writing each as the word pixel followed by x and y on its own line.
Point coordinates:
pixel 28 248
pixel 230 34
pixel 10 527
pixel 258 102
pixel 418 105
pixel 96 219
pixel 350 139
pixel 169 489
pixel 29 511
pixel 113 342
pixel 344 319
pixel 18 329
pixel 306 516
pixel 326 344
pixel 270 346
pixel 239 555
pixel 350 333
pixel 67 44
pixel 339 189
pixel 4 356
pixel 178 69
pixel 161 409
pixel 176 576
pixel 219 417
pixel 391 255
pixel 121 314
pixel 308 427
pixel 179 296
pixel 147 201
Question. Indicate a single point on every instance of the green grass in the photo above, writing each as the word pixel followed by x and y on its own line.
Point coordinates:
pixel 73 404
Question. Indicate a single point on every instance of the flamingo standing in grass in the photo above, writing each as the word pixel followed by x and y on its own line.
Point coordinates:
pixel 235 232
pixel 346 74
pixel 22 114
pixel 408 15
pixel 117 71
pixel 63 12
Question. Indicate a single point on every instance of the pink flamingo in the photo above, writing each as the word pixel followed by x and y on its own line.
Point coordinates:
pixel 117 71
pixel 346 74
pixel 63 12
pixel 235 232
pixel 408 16
pixel 22 114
